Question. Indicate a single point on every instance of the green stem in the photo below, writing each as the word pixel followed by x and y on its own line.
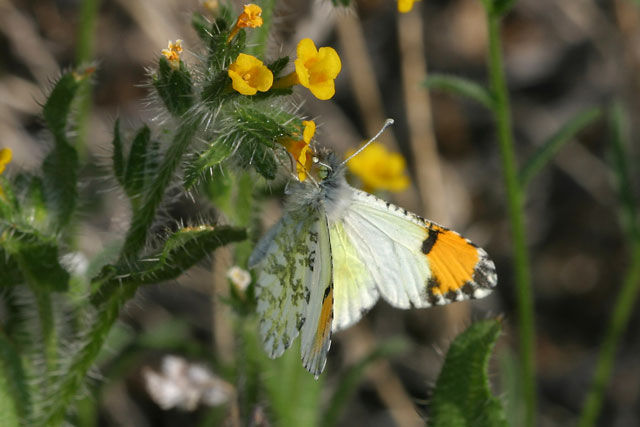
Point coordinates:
pixel 49 335
pixel 515 198
pixel 621 313
pixel 84 54
pixel 68 388
pixel 258 42
pixel 143 217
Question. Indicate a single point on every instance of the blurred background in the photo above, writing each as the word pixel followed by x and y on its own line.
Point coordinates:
pixel 562 57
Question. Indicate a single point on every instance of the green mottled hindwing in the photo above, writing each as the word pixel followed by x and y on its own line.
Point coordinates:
pixel 284 259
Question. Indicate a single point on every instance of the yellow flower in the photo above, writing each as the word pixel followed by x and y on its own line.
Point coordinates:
pixel 379 169
pixel 405 6
pixel 316 69
pixel 249 18
pixel 172 53
pixel 250 75
pixel 301 151
pixel 5 158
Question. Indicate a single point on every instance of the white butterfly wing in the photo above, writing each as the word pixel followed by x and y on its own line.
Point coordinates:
pixel 283 259
pixel 294 289
pixel 412 262
pixel 354 289
pixel 316 331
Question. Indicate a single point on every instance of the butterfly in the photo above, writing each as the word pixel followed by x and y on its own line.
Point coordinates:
pixel 337 250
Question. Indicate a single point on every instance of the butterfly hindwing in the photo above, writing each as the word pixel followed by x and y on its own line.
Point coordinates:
pixel 355 290
pixel 284 259
pixel 414 262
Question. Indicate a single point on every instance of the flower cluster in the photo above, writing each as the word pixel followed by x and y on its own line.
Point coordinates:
pixel 379 169
pixel 172 53
pixel 315 69
pixel 251 17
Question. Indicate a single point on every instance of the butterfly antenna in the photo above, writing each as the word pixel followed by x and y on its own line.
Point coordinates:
pixel 387 123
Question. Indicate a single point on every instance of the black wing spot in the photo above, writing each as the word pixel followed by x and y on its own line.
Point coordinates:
pixel 468 289
pixel 431 239
pixel 326 292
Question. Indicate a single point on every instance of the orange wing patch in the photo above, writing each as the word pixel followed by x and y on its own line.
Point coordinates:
pixel 324 323
pixel 458 267
pixel 315 357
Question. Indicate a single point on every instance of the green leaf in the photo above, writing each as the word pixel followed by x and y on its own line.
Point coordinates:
pixel 462 396
pixel 174 87
pixel 221 52
pixel 135 171
pixel 117 156
pixel 9 270
pixel 202 27
pixel 551 146
pixel 8 202
pixel 344 3
pixel 278 65
pixel 219 150
pixel 182 250
pixel 350 380
pixel 214 90
pixel 60 180
pixel 37 257
pixel 218 188
pixel 56 109
pixel 14 390
pixel 461 86
pixel 61 164
pixel 34 205
pixel 260 157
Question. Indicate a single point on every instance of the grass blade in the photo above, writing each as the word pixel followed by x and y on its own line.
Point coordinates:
pixel 461 86
pixel 546 151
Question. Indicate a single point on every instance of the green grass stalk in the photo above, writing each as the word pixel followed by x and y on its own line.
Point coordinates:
pixel 258 42
pixel 84 54
pixel 515 199
pixel 604 366
pixel 628 295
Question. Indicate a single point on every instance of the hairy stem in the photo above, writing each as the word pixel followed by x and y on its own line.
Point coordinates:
pixel 83 360
pixel 144 215
pixel 515 199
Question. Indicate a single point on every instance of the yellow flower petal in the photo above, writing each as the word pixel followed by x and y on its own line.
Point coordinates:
pixel 172 53
pixel 301 153
pixel 249 75
pixel 405 6
pixel 323 90
pixel 5 157
pixel 250 17
pixel 309 130
pixel 379 169
pixel 317 69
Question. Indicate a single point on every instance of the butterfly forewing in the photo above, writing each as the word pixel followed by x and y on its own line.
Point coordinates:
pixel 415 262
pixel 316 331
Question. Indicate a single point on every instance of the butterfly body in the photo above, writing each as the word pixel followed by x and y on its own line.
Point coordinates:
pixel 337 249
